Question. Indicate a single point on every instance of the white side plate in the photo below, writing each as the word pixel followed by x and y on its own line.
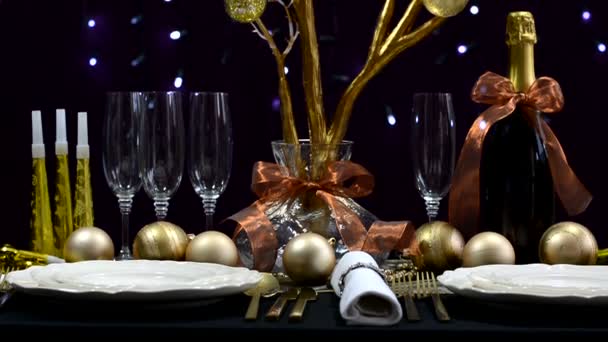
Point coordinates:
pixel 562 284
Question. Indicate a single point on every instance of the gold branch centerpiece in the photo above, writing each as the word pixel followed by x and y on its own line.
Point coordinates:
pixel 312 185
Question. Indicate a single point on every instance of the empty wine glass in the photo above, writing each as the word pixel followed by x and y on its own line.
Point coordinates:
pixel 161 147
pixel 120 155
pixel 210 143
pixel 433 143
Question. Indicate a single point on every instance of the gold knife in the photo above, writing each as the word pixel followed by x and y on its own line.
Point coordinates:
pixel 274 313
pixel 306 294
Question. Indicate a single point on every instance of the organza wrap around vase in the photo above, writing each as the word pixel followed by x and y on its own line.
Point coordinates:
pixel 311 188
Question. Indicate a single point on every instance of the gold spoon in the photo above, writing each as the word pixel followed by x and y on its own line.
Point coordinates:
pixel 267 287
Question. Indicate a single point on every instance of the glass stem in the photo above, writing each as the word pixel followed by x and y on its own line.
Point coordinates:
pixel 209 206
pixel 161 207
pixel 125 203
pixel 432 207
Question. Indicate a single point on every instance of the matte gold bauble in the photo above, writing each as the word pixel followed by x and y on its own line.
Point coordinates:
pixel 568 243
pixel 488 248
pixel 160 241
pixel 214 247
pixel 440 246
pixel 445 8
pixel 245 11
pixel 88 243
pixel 309 259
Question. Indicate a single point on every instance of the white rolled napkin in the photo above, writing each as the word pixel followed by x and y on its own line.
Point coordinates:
pixel 366 299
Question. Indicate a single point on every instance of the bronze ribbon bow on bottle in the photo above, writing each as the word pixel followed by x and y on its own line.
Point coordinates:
pixel 342 178
pixel 544 95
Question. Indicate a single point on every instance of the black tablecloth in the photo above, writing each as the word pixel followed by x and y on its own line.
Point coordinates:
pixel 37 316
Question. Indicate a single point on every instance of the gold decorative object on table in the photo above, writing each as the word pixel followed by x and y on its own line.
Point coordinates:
pixel 214 247
pixel 88 243
pixel 160 240
pixel 488 248
pixel 312 186
pixel 16 259
pixel 441 247
pixel 568 243
pixel 62 217
pixel 602 257
pixel 309 259
pixel 83 196
pixel 41 224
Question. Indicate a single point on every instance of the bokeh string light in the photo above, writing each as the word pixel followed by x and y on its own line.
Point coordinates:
pixel 178 82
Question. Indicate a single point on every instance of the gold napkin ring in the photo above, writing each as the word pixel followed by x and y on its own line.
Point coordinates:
pixel 356 266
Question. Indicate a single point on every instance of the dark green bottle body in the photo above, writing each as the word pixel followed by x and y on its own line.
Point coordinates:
pixel 517 197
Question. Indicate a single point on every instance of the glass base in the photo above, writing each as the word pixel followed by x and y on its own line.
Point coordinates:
pixel 124 254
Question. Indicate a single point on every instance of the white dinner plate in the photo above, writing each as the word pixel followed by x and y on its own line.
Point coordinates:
pixel 149 280
pixel 540 283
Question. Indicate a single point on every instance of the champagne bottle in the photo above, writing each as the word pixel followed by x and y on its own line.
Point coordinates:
pixel 516 186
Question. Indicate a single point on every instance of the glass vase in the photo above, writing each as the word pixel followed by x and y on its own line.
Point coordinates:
pixel 305 211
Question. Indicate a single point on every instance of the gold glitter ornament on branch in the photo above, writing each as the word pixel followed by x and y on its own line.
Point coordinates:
pixel 309 259
pixel 245 11
pixel 88 243
pixel 568 243
pixel 160 240
pixel 213 247
pixel 441 246
pixel 445 8
pixel 488 248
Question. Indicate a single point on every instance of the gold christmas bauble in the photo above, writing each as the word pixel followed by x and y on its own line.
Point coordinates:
pixel 245 11
pixel 88 243
pixel 309 259
pixel 440 245
pixel 160 240
pixel 445 8
pixel 488 248
pixel 214 247
pixel 568 243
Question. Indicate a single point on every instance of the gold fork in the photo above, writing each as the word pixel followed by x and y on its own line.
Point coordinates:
pixel 408 298
pixel 428 286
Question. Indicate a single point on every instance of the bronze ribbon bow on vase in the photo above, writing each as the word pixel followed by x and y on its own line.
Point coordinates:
pixel 544 95
pixel 341 179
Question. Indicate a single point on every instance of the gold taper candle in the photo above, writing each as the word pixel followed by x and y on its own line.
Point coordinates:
pixel 62 216
pixel 41 223
pixel 83 194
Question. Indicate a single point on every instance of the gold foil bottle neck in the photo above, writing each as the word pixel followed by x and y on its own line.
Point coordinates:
pixel 520 28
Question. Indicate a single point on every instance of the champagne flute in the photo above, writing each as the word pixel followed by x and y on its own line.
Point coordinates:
pixel 210 142
pixel 162 147
pixel 120 155
pixel 433 147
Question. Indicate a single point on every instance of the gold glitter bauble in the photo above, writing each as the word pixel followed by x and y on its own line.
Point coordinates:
pixel 445 8
pixel 245 11
pixel 160 241
pixel 88 243
pixel 440 246
pixel 309 259
pixel 214 247
pixel 488 248
pixel 568 243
